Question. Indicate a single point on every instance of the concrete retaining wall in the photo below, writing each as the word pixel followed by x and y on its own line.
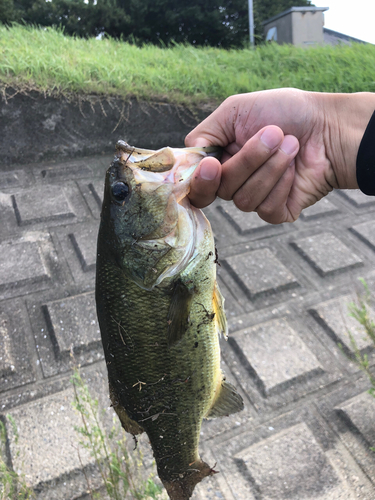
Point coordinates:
pixel 37 128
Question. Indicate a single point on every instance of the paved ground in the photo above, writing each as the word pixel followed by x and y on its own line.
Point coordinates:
pixel 308 421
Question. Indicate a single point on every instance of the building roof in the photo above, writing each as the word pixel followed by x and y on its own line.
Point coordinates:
pixel 341 36
pixel 295 9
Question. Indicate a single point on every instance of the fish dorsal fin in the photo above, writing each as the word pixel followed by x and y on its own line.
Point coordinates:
pixel 179 309
pixel 220 318
pixel 227 402
pixel 161 161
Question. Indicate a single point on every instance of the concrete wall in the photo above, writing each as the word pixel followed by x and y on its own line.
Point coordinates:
pixel 284 29
pixel 36 128
pixel 307 28
pixel 298 27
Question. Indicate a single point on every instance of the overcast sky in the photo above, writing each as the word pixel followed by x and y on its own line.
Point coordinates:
pixel 351 17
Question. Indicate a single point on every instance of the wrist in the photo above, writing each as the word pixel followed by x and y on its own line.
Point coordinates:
pixel 346 117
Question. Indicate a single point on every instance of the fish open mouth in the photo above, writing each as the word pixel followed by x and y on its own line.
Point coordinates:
pixel 175 166
pixel 168 173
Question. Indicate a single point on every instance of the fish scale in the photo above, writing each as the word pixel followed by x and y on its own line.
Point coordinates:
pixel 160 340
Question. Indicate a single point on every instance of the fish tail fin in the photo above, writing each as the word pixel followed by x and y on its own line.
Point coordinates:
pixel 182 488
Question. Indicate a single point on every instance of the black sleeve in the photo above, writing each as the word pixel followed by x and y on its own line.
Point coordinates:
pixel 366 160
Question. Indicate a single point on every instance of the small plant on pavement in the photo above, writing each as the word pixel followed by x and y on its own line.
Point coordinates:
pixel 360 311
pixel 12 485
pixel 120 471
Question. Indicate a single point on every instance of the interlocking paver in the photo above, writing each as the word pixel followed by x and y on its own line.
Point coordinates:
pixel 92 191
pixel 64 326
pixel 45 444
pixel 242 222
pixel 357 198
pixel 260 272
pixel 41 205
pixel 275 355
pixel 366 232
pixel 21 263
pixel 307 426
pixel 360 412
pixel 321 209
pixel 327 254
pixel 291 464
pixel 16 367
pixel 83 242
pixel 15 178
pixel 340 325
pixel 69 328
pixel 7 363
pixel 71 170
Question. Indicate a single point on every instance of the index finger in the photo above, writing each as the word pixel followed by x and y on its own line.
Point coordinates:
pixel 216 130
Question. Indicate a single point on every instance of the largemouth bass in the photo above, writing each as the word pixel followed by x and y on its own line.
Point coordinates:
pixel 160 309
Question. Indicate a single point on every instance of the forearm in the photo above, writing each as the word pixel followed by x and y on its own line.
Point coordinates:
pixel 346 117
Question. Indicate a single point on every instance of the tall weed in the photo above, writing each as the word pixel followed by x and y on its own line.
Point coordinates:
pixel 123 473
pixel 360 311
pixel 13 486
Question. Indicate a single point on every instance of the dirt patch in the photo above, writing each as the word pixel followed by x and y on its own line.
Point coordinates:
pixel 37 128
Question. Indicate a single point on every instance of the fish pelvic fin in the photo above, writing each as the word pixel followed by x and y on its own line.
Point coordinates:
pixel 227 402
pixel 182 487
pixel 127 423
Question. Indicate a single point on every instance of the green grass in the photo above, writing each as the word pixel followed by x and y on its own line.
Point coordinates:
pixel 48 61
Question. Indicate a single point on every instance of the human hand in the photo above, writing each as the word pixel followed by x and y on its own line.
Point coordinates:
pixel 278 179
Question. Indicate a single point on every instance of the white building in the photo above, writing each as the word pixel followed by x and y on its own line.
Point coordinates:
pixel 303 26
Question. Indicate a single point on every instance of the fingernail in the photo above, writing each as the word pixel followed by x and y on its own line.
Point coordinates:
pixel 208 171
pixel 270 138
pixel 289 145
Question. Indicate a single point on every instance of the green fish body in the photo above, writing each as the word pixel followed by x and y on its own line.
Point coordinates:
pixel 160 310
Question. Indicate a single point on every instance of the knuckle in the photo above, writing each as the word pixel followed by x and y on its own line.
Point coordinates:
pixel 229 100
pixel 188 137
pixel 243 202
pixel 225 191
pixel 269 213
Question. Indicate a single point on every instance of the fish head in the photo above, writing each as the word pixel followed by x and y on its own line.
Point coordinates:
pixel 148 223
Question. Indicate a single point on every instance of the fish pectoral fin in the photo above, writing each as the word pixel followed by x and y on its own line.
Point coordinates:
pixel 178 314
pixel 220 318
pixel 227 402
pixel 161 161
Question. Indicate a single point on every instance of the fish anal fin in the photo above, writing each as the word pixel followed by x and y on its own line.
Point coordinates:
pixel 220 318
pixel 161 161
pixel 179 309
pixel 127 423
pixel 227 402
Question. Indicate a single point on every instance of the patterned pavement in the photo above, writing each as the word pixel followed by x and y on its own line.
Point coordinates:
pixel 308 422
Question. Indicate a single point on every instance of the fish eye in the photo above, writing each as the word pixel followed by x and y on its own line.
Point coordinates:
pixel 120 191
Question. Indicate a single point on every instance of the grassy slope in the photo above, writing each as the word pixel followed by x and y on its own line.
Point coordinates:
pixel 50 62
